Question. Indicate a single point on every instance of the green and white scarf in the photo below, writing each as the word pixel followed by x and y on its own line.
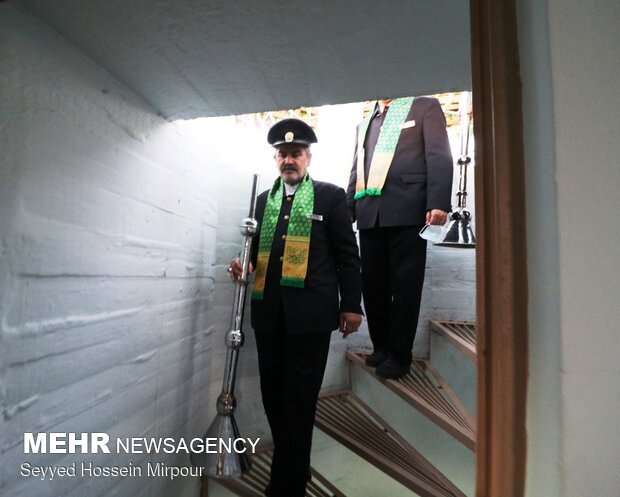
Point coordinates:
pixel 384 150
pixel 297 245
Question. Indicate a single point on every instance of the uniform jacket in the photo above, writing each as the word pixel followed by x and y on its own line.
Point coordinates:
pixel 333 281
pixel 419 178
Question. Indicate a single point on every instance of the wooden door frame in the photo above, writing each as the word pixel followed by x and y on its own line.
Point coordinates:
pixel 501 250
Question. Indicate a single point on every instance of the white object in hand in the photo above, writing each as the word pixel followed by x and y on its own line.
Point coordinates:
pixel 434 233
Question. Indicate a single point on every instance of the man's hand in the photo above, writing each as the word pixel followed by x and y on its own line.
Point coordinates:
pixel 436 216
pixel 236 269
pixel 349 322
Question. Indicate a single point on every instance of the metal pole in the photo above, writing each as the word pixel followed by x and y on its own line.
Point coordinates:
pixel 460 233
pixel 231 464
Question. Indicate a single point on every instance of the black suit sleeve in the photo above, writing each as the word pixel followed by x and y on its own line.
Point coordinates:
pixel 346 254
pixel 438 158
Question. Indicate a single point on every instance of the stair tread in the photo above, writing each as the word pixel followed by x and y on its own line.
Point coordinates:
pixel 253 483
pixel 347 419
pixel 461 333
pixel 425 389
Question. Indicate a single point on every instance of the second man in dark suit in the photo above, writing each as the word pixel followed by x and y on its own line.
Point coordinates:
pixel 401 180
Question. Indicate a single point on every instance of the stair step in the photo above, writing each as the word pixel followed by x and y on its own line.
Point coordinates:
pixel 347 419
pixel 456 367
pixel 462 334
pixel 253 483
pixel 426 390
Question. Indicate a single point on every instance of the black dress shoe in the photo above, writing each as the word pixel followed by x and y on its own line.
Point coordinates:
pixel 392 369
pixel 376 358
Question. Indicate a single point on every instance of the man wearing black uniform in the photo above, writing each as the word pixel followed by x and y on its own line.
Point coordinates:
pixel 307 284
pixel 401 179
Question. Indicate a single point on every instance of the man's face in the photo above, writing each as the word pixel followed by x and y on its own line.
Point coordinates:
pixel 292 161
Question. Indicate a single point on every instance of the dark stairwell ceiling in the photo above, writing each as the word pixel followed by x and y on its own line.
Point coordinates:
pixel 191 58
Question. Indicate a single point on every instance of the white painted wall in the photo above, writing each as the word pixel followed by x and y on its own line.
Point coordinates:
pixel 107 244
pixel 570 74
pixel 585 44
pixel 544 397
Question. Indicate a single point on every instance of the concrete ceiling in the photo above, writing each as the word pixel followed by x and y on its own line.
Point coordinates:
pixel 193 58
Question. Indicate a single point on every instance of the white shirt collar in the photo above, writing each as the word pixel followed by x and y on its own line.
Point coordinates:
pixel 290 189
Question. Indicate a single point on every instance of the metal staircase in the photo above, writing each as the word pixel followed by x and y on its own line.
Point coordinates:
pixel 349 420
pixel 427 391
pixel 461 333
pixel 453 349
pixel 253 484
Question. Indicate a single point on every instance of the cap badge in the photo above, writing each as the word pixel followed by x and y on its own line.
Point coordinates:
pixel 288 137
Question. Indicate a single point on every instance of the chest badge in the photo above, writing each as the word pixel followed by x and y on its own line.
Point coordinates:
pixel 314 217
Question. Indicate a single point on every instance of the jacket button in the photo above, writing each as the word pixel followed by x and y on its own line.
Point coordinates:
pixel 283 237
pixel 286 217
pixel 281 258
pixel 289 199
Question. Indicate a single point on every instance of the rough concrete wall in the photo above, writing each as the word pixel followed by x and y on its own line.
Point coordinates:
pixel 107 242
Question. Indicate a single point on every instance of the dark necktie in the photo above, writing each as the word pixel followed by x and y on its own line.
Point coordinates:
pixel 372 135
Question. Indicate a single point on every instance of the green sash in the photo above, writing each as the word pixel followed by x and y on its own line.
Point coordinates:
pixel 384 150
pixel 297 245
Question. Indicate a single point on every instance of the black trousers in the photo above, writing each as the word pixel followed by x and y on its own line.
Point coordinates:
pixel 291 371
pixel 393 264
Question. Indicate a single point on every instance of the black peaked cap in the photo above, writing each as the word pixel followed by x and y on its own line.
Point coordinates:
pixel 291 131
